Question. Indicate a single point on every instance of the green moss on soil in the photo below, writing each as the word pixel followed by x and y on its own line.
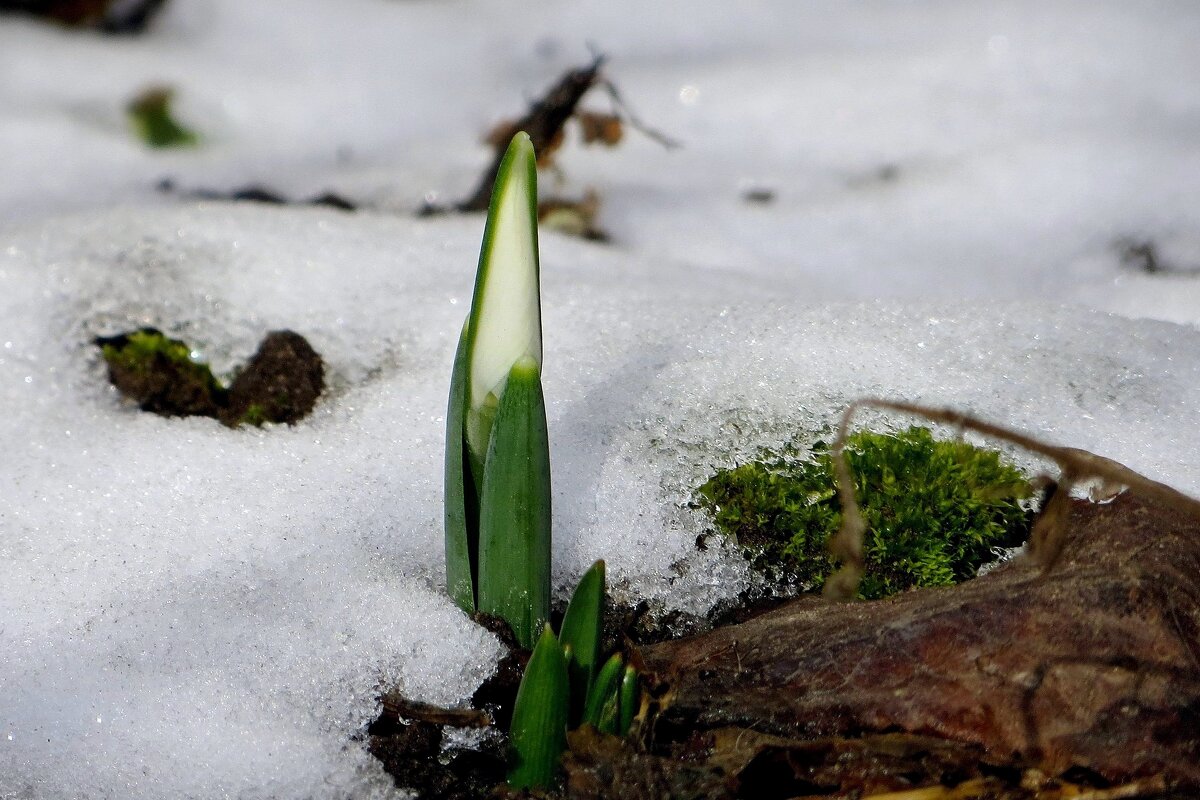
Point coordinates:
pixel 159 373
pixel 280 384
pixel 934 510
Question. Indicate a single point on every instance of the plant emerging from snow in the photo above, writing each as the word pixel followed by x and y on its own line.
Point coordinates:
pixel 497 504
pixel 565 686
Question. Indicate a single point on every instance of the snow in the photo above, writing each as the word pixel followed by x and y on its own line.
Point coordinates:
pixel 192 611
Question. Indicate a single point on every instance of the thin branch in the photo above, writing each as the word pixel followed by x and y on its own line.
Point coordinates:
pixel 396 706
pixel 633 120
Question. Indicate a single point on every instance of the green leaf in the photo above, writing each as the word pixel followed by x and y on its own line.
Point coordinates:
pixel 581 629
pixel 461 503
pixel 600 709
pixel 514 510
pixel 630 699
pixel 506 319
pixel 539 721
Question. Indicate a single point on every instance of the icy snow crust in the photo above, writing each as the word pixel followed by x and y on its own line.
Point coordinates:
pixel 194 612
pixel 198 612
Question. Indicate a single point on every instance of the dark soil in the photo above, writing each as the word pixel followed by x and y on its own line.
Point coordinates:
pixel 280 384
pixel 158 382
pixel 411 751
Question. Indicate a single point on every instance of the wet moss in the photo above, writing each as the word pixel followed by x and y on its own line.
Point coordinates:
pixel 160 375
pixel 281 383
pixel 934 510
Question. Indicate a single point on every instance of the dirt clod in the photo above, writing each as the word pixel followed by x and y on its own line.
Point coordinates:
pixel 280 384
pixel 157 372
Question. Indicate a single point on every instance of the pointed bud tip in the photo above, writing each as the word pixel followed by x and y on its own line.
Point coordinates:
pixel 521 141
pixel 521 154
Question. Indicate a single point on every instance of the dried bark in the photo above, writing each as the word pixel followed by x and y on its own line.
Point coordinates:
pixel 1093 668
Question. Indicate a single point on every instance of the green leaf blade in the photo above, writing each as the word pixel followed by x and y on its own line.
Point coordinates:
pixel 539 722
pixel 581 631
pixel 630 699
pixel 460 502
pixel 514 518
pixel 601 700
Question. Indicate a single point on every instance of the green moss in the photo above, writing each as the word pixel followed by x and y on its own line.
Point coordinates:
pixel 255 414
pixel 934 510
pixel 139 350
pixel 159 373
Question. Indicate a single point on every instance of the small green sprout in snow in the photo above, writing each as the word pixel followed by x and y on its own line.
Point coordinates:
pixel 150 114
pixel 538 735
pixel 497 497
pixel 563 688
pixel 934 510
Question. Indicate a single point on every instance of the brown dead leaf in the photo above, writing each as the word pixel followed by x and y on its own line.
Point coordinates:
pixel 594 126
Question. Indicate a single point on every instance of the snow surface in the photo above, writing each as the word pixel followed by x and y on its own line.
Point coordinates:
pixel 190 611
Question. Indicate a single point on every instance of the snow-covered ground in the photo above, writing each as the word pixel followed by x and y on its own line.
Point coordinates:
pixel 190 611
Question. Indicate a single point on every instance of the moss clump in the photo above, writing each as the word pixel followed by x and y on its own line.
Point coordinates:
pixel 934 510
pixel 281 383
pixel 159 373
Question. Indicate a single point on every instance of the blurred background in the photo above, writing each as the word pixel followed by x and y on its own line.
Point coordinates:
pixel 1012 150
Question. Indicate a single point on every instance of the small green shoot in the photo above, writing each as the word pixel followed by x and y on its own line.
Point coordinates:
pixel 609 703
pixel 539 722
pixel 630 699
pixel 581 628
pixel 461 501
pixel 514 509
pixel 150 115
pixel 934 509
pixel 601 709
pixel 506 318
pixel 497 497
